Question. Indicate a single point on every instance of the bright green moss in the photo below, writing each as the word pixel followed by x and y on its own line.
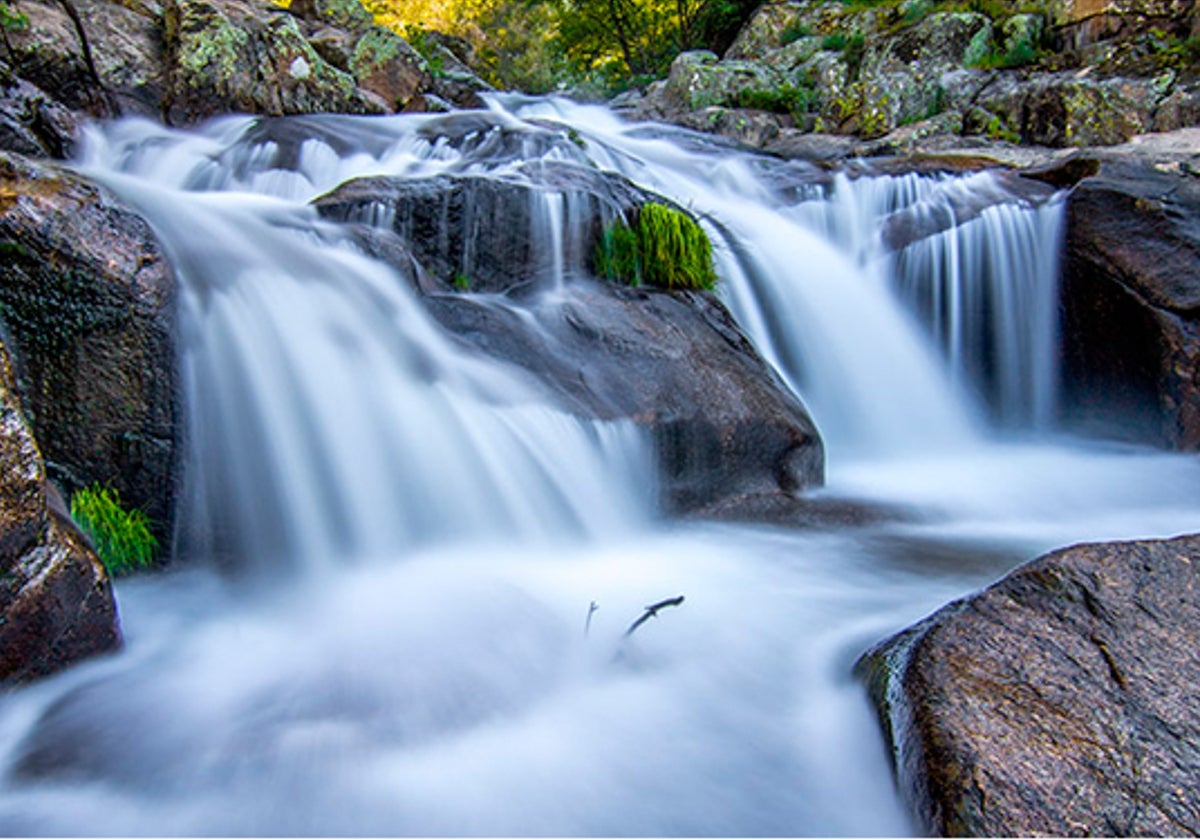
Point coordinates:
pixel 663 247
pixel 122 538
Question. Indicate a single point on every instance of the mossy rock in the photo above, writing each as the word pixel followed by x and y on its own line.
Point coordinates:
pixel 698 80
pixel 385 64
pixel 660 246
pixel 341 14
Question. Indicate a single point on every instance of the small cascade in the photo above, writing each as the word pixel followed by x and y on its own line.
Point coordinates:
pixel 988 290
pixel 329 417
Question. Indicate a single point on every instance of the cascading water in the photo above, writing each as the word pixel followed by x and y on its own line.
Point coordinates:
pixel 460 683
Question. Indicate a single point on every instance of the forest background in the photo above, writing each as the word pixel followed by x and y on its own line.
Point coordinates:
pixel 594 48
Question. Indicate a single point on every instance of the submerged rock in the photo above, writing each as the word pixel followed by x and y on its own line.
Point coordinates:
pixel 727 432
pixel 1056 702
pixel 56 603
pixel 88 305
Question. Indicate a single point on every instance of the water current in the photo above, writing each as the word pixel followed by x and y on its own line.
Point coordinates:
pixel 380 620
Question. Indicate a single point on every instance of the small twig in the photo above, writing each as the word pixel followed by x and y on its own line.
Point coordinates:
pixel 651 612
pixel 587 627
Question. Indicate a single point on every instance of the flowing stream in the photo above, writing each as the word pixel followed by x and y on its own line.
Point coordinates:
pixel 381 622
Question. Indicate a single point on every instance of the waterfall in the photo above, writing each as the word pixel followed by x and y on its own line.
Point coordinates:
pixel 437 640
pixel 328 416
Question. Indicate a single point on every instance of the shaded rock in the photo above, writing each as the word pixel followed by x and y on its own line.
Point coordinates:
pixel 126 45
pixel 56 603
pixel 483 234
pixel 676 364
pixel 1131 302
pixel 87 300
pixel 244 55
pixel 31 123
pixel 1057 701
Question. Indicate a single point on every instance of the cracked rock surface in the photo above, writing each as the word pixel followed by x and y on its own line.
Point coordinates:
pixel 1057 701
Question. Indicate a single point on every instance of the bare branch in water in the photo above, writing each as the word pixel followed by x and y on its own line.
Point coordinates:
pixel 652 611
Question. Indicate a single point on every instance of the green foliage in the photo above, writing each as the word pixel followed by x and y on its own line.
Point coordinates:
pixel 461 282
pixel 796 100
pixel 794 31
pixel 12 19
pixel 1171 52
pixel 122 538
pixel 836 42
pixel 663 247
pixel 419 39
pixel 996 129
pixel 1020 54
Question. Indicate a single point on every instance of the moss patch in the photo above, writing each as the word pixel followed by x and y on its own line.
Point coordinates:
pixel 661 247
pixel 122 538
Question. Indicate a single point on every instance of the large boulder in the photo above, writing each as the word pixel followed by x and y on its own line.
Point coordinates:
pixel 247 55
pixel 1131 301
pixel 1059 701
pixel 125 45
pixel 730 437
pixel 87 300
pixel 56 603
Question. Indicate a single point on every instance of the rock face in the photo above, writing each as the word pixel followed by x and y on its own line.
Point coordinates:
pixel 1078 74
pixel 1131 302
pixel 1057 701
pixel 485 234
pixel 88 304
pixel 186 60
pixel 32 123
pixel 56 603
pixel 732 441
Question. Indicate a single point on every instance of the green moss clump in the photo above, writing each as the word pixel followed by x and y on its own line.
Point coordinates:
pixel 663 247
pixel 122 538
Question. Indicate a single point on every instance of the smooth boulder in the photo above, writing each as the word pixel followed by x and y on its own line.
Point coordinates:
pixel 1058 701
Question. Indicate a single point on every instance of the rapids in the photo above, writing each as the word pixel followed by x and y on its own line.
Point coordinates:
pixel 379 622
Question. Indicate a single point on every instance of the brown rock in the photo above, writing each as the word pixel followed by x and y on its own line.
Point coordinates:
pixel 88 302
pixel 1131 302
pixel 56 603
pixel 728 434
pixel 1059 701
pixel 126 46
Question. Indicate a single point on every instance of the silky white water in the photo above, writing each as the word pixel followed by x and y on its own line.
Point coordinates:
pixel 392 543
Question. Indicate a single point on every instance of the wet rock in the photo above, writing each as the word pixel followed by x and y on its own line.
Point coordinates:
pixel 1056 702
pixel 31 123
pixel 675 363
pixel 243 55
pixel 87 303
pixel 482 234
pixel 56 604
pixel 1131 302
pixel 725 429
pixel 126 45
